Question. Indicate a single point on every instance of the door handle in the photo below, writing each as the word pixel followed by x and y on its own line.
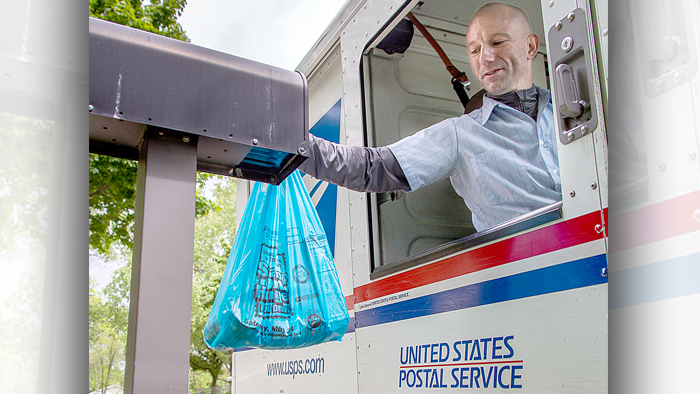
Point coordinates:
pixel 573 82
pixel 571 105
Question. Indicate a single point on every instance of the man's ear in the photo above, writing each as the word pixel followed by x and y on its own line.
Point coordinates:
pixel 533 45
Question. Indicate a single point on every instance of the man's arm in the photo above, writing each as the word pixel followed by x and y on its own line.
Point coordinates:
pixel 354 167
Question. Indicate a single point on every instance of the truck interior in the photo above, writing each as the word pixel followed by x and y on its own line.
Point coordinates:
pixel 406 88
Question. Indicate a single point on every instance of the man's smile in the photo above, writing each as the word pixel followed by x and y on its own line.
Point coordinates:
pixel 492 72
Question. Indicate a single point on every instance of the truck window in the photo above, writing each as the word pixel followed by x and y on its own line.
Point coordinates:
pixel 406 90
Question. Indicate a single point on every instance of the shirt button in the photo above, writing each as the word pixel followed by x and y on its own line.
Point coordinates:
pixel 541 142
pixel 555 172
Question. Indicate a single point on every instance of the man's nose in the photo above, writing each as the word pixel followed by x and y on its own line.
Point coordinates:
pixel 488 55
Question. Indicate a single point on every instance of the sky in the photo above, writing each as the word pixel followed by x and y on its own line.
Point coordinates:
pixel 274 32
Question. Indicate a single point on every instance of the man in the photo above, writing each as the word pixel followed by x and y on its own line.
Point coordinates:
pixel 501 159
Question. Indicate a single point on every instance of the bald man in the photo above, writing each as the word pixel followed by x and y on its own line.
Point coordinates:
pixel 501 48
pixel 501 159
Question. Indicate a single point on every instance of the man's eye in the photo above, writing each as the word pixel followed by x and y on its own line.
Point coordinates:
pixel 496 43
pixel 474 51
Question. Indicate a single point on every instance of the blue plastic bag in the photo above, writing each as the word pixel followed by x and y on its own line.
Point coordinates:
pixel 280 288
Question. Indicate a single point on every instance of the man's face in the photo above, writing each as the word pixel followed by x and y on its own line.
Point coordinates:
pixel 500 50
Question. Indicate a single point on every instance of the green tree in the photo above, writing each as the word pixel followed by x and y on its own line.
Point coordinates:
pixel 112 187
pixel 214 234
pixel 107 338
pixel 157 16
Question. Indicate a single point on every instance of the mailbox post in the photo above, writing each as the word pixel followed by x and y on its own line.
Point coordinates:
pixel 158 340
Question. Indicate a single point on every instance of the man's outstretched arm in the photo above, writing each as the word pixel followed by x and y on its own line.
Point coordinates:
pixel 354 167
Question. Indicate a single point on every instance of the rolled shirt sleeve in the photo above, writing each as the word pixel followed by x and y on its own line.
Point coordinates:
pixel 429 155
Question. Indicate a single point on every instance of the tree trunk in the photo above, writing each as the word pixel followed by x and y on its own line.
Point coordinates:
pixel 213 383
pixel 112 355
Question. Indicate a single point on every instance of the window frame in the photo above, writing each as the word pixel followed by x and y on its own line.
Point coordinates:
pixel 521 223
pixel 518 224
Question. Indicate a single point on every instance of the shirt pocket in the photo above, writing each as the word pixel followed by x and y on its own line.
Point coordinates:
pixel 502 175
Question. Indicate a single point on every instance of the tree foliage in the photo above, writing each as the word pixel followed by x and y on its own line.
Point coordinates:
pixel 157 16
pixel 112 187
pixel 214 235
pixel 107 338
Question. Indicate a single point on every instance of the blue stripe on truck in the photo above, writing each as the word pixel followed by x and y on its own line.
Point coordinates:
pixel 567 276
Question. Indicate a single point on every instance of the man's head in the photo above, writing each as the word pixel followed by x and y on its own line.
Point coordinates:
pixel 501 48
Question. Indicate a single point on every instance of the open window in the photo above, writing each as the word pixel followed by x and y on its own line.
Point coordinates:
pixel 406 89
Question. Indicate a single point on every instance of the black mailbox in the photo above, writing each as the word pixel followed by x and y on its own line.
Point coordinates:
pixel 250 120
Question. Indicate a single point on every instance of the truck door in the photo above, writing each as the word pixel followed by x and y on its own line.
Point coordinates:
pixel 522 305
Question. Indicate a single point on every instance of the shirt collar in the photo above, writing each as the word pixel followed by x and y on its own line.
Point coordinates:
pixel 484 113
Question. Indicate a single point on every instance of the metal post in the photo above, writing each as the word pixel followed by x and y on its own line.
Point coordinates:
pixel 158 342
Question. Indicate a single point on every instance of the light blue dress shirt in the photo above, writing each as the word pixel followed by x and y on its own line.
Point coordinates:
pixel 498 159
